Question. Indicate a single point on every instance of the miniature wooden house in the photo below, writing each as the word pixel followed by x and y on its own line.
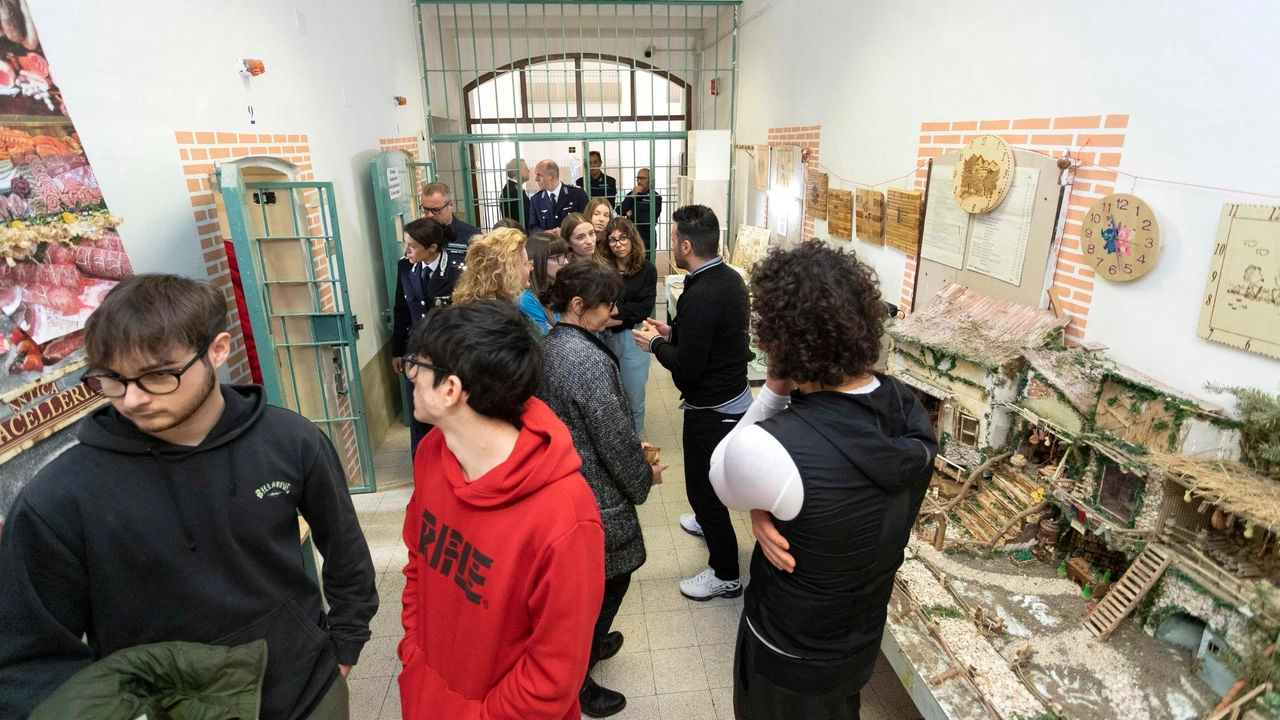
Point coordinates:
pixel 1140 410
pixel 962 354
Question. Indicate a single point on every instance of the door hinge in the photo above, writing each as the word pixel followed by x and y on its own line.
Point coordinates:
pixel 356 326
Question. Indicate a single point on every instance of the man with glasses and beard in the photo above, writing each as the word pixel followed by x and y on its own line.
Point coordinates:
pixel 175 518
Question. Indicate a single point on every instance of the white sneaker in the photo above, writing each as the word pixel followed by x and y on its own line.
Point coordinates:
pixel 706 586
pixel 689 523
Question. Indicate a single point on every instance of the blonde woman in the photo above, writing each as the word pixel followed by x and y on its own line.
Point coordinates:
pixel 599 212
pixel 621 248
pixel 581 235
pixel 497 268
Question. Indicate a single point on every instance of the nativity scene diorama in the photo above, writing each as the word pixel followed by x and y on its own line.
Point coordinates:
pixel 1094 543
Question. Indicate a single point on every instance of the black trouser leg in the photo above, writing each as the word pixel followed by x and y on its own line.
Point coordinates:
pixel 703 430
pixel 615 589
pixel 417 430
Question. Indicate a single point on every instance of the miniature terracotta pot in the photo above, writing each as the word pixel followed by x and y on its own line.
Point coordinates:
pixel 1048 533
pixel 1219 520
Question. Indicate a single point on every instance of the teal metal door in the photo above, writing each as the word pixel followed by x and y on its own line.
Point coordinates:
pixel 397 183
pixel 286 237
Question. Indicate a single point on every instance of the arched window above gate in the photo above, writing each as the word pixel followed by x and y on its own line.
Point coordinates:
pixel 579 89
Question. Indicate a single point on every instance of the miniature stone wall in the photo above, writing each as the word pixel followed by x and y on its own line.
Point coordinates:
pixel 1177 594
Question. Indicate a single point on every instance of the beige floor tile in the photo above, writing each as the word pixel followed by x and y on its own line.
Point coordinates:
pixel 391 586
pixel 387 623
pixel 723 699
pixel 658 537
pixel 663 595
pixel 391 704
pixel 670 629
pixel 692 560
pixel 367 696
pixel 678 670
pixel 388 460
pixel 688 706
pixel 377 659
pixel 682 539
pixel 652 515
pixel 383 534
pixel 661 564
pixel 674 510
pixel 717 662
pixel 635 632
pixel 632 604
pixel 628 673
pixel 644 707
pixel 716 623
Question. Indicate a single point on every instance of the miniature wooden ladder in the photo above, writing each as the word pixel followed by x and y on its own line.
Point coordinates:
pixel 1126 594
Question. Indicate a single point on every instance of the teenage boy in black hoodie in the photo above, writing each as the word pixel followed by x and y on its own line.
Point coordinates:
pixel 176 518
pixel 840 457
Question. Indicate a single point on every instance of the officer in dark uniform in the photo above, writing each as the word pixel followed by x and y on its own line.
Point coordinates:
pixel 425 278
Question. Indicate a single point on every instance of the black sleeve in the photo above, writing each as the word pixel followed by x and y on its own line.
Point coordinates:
pixel 349 579
pixel 633 309
pixel 44 610
pixel 628 206
pixel 578 182
pixel 400 321
pixel 688 360
pixel 657 208
pixel 611 189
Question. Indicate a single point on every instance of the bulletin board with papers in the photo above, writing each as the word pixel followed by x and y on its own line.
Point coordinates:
pixel 1005 253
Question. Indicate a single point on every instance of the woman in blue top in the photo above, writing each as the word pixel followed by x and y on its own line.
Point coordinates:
pixel 548 253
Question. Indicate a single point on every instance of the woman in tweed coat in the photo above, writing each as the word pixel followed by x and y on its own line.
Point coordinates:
pixel 582 385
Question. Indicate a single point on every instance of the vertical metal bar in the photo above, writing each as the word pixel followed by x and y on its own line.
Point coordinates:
pixel 318 307
pixel 733 112
pixel 426 84
pixel 444 71
pixel 353 367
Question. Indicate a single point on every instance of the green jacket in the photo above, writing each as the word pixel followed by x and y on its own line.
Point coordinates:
pixel 164 681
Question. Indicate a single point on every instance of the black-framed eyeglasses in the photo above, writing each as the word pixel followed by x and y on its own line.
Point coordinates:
pixel 412 363
pixel 428 212
pixel 158 382
pixel 619 239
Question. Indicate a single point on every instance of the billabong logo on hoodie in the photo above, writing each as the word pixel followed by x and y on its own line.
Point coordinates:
pixel 273 489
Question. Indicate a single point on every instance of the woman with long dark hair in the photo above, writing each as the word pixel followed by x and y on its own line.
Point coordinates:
pixel 581 383
pixel 581 235
pixel 548 253
pixel 622 249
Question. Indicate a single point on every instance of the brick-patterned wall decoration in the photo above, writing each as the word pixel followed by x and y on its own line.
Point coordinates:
pixel 1093 140
pixel 409 145
pixel 808 137
pixel 200 152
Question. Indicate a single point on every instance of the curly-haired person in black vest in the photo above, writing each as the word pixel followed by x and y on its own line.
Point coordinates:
pixel 582 384
pixel 833 461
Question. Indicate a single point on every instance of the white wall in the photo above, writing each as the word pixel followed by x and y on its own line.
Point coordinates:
pixel 133 73
pixel 1198 81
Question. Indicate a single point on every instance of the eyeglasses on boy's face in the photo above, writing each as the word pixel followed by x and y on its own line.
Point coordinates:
pixel 412 363
pixel 157 382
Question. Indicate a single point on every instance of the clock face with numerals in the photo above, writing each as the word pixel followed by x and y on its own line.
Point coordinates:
pixel 1120 238
pixel 983 174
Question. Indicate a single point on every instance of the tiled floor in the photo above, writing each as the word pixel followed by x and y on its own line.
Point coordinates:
pixel 677 661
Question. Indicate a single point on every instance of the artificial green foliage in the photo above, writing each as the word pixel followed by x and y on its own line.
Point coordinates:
pixel 937 611
pixel 1259 428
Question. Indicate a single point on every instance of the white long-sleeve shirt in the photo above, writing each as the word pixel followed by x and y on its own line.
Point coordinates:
pixel 750 470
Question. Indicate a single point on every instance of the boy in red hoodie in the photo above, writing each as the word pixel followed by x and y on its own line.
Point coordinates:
pixel 506 549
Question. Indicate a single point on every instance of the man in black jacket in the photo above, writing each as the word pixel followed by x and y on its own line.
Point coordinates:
pixel 601 185
pixel 513 201
pixel 176 518
pixel 643 206
pixel 706 349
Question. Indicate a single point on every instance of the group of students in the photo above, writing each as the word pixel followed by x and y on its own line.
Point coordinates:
pixel 174 519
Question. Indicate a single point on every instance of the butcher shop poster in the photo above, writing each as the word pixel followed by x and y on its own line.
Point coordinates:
pixel 59 252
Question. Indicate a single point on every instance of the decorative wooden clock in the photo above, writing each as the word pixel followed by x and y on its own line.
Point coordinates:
pixel 1120 237
pixel 983 174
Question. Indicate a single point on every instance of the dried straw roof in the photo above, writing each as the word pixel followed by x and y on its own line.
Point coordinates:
pixel 1233 486
pixel 1131 375
pixel 1077 373
pixel 976 327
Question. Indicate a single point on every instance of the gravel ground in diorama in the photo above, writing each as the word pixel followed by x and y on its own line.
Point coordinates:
pixel 1132 676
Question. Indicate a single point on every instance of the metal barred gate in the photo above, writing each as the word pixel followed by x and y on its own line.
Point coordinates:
pixel 290 251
